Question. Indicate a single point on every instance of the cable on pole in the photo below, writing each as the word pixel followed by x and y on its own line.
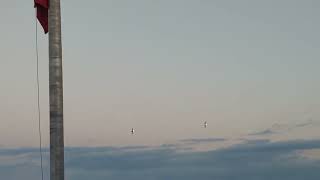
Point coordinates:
pixel 38 98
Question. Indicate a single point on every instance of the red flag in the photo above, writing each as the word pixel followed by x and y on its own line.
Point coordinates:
pixel 42 13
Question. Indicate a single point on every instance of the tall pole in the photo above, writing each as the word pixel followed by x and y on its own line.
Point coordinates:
pixel 55 92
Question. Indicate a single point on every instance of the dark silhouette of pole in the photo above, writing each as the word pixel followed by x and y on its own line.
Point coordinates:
pixel 56 92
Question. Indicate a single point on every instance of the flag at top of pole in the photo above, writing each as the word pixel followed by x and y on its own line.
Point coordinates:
pixel 42 13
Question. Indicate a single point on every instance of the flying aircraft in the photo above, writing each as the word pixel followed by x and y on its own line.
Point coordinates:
pixel 132 131
pixel 205 124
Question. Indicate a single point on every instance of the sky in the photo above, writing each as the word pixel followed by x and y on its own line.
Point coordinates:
pixel 249 68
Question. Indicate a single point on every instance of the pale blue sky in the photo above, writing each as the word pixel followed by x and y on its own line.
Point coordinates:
pixel 250 68
pixel 165 67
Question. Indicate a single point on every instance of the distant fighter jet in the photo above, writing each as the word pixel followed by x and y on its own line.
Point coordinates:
pixel 205 124
pixel 132 131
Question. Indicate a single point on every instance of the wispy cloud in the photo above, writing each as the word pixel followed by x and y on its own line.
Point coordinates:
pixel 308 123
pixel 264 132
pixel 274 129
pixel 282 128
pixel 202 140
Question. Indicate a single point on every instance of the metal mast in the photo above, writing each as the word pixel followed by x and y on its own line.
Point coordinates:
pixel 56 92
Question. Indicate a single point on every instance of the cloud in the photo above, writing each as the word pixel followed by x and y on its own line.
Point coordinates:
pixel 264 132
pixel 261 160
pixel 307 123
pixel 282 128
pixel 274 129
pixel 202 140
